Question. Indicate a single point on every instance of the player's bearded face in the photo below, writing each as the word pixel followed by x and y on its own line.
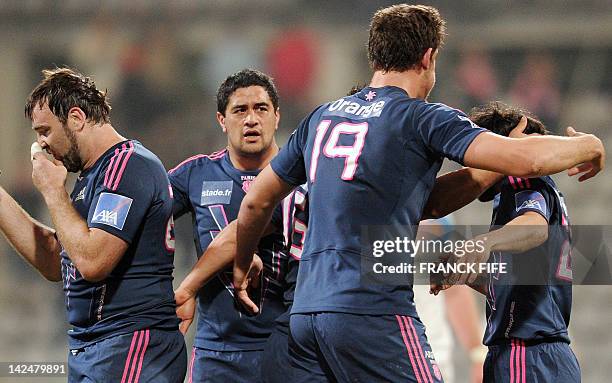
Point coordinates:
pixel 57 138
pixel 71 160
pixel 250 121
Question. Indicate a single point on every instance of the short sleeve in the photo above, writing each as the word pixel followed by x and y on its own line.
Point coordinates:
pixel 446 131
pixel 179 180
pixel 121 202
pixel 529 194
pixel 289 162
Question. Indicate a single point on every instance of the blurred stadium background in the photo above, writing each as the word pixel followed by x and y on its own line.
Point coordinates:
pixel 163 61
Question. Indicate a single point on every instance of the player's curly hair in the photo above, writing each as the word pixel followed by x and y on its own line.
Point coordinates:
pixel 401 34
pixel 244 79
pixel 65 88
pixel 501 119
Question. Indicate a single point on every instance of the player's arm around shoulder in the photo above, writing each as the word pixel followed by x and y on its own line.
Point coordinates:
pixel 534 156
pixel 35 242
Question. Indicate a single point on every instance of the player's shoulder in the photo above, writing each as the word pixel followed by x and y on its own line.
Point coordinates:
pixel 422 106
pixel 517 184
pixel 129 161
pixel 197 162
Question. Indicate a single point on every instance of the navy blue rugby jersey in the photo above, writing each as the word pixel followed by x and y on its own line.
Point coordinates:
pixel 127 194
pixel 295 225
pixel 369 159
pixel 533 300
pixel 211 189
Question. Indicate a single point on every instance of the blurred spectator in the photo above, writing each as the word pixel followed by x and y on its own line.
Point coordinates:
pixel 97 48
pixel 536 89
pixel 476 78
pixel 292 61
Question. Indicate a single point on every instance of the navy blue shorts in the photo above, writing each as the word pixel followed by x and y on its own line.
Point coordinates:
pixel 275 366
pixel 142 356
pixel 520 363
pixel 212 366
pixel 360 348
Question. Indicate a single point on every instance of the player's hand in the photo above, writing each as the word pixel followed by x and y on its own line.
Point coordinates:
pixel 48 176
pixel 517 131
pixel 479 255
pixel 438 281
pixel 244 283
pixel 591 168
pixel 185 308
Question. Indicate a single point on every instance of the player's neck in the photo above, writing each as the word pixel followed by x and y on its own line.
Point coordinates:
pixel 410 81
pixel 258 161
pixel 98 141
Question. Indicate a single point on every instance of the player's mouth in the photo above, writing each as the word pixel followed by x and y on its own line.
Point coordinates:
pixel 251 135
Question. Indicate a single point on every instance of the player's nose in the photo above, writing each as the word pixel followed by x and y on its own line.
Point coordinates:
pixel 250 119
pixel 43 144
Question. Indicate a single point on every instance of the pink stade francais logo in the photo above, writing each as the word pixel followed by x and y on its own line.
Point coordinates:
pixel 370 95
pixel 246 182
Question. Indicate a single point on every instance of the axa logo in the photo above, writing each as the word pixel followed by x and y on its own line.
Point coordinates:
pixel 531 204
pixel 108 217
pixel 112 210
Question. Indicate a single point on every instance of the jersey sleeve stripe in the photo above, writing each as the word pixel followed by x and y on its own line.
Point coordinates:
pixel 110 166
pixel 511 179
pixel 115 166
pixel 520 182
pixel 123 165
pixel 527 183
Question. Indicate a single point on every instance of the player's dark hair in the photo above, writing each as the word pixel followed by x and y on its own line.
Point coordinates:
pixel 501 119
pixel 65 88
pixel 401 34
pixel 355 89
pixel 244 79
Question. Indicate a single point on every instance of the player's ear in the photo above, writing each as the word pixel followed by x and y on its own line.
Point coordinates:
pixel 221 119
pixel 277 114
pixel 76 119
pixel 428 58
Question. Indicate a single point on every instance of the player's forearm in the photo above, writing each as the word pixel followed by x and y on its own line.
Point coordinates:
pixel 532 156
pixel 252 221
pixel 456 189
pixel 256 209
pixel 72 231
pixel 519 235
pixel 218 256
pixel 34 241
pixel 553 154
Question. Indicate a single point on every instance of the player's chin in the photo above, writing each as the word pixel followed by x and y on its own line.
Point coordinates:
pixel 252 147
